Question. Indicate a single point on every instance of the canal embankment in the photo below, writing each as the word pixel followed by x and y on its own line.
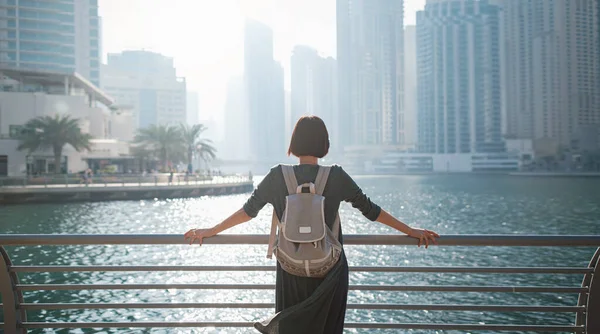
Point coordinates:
pixel 55 193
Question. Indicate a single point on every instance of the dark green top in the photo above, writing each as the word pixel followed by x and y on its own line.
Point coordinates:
pixel 340 187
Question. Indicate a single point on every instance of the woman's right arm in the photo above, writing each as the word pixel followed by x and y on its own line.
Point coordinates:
pixel 197 234
pixel 260 197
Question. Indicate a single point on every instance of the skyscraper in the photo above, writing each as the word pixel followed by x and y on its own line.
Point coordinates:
pixel 552 69
pixel 147 82
pixel 193 108
pixel 236 120
pixel 410 85
pixel 458 69
pixel 314 89
pixel 62 36
pixel 370 66
pixel 263 80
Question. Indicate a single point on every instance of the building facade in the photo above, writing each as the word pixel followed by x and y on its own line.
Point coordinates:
pixel 193 108
pixel 459 77
pixel 370 55
pixel 314 89
pixel 148 83
pixel 410 86
pixel 236 120
pixel 552 69
pixel 61 36
pixel 264 94
pixel 46 93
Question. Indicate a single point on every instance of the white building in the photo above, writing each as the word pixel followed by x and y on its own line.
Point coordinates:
pixel 193 108
pixel 314 89
pixel 390 163
pixel 40 93
pixel 370 42
pixel 147 82
pixel 459 53
pixel 410 86
pixel 552 70
pixel 62 36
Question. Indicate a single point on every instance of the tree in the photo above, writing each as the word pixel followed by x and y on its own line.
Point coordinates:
pixel 45 132
pixel 164 140
pixel 195 144
pixel 143 155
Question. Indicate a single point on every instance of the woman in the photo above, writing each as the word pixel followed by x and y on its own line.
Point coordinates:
pixel 307 304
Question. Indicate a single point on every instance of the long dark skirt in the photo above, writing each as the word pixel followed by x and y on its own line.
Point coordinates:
pixel 309 305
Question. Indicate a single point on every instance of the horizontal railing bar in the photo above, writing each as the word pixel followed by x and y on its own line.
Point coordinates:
pixel 430 307
pixel 533 328
pixel 496 270
pixel 440 288
pixel 227 239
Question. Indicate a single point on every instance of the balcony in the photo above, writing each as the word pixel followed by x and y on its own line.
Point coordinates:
pixel 16 309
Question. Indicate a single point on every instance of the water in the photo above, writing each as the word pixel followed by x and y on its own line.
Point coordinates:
pixel 463 204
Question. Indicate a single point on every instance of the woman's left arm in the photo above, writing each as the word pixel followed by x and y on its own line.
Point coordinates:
pixel 197 234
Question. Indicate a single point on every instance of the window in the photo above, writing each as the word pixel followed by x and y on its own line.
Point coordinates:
pixel 63 7
pixel 3 165
pixel 15 131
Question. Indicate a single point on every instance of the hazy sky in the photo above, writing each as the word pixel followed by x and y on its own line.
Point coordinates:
pixel 205 37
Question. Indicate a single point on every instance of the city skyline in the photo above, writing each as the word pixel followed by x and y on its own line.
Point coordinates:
pixel 307 23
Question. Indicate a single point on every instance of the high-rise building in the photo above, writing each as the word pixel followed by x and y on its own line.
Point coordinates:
pixel 552 69
pixel 193 108
pixel 236 145
pixel 410 86
pixel 147 82
pixel 264 91
pixel 62 36
pixel 370 66
pixel 459 77
pixel 314 89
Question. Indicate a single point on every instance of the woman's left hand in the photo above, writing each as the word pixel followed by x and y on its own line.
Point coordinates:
pixel 424 236
pixel 197 234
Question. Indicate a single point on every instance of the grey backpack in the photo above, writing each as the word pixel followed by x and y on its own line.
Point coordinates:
pixel 305 246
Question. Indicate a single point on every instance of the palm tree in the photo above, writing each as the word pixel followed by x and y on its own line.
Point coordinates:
pixel 195 144
pixel 164 140
pixel 45 132
pixel 143 155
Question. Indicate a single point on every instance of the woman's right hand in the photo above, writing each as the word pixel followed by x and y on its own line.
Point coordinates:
pixel 197 234
pixel 423 235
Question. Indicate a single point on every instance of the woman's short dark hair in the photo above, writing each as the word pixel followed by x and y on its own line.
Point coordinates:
pixel 310 138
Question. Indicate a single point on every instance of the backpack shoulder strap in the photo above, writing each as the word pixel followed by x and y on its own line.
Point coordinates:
pixel 336 226
pixel 290 178
pixel 321 180
pixel 274 223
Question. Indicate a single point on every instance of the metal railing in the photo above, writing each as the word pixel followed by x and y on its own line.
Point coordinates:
pixel 118 181
pixel 588 305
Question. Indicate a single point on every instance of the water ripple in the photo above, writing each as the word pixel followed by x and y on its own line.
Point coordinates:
pixel 469 204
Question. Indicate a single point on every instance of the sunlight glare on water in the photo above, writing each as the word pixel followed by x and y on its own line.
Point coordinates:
pixel 466 204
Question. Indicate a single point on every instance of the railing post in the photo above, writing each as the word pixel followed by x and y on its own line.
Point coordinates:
pixel 591 299
pixel 11 298
pixel 66 181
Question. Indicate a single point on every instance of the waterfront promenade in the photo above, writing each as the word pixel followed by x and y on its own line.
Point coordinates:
pixel 125 190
